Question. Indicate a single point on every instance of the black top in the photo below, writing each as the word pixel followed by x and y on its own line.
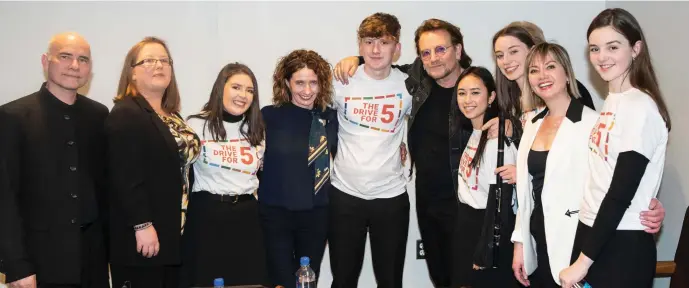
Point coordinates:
pixel 54 156
pixel 419 84
pixel 536 162
pixel 430 137
pixel 227 117
pixel 287 179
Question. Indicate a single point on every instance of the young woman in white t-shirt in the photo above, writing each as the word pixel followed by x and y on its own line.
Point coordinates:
pixel 223 235
pixel 476 100
pixel 626 158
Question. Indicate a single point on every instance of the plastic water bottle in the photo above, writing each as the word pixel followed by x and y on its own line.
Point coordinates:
pixel 306 278
pixel 219 283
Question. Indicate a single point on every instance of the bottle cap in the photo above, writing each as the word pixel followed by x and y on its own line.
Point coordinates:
pixel 219 282
pixel 304 261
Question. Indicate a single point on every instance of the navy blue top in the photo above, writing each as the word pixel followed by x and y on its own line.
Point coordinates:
pixel 286 180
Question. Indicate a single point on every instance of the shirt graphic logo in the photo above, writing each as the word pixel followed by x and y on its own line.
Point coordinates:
pixel 380 113
pixel 465 169
pixel 229 153
pixel 600 134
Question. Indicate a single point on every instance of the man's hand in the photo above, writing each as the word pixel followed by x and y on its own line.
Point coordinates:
pixel 345 69
pixel 653 219
pixel 28 282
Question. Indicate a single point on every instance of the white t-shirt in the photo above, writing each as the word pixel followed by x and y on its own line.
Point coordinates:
pixel 629 121
pixel 474 183
pixel 226 167
pixel 372 126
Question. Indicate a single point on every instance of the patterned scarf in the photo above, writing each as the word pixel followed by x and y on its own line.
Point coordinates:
pixel 188 144
pixel 319 157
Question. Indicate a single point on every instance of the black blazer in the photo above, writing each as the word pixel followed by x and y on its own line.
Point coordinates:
pixel 42 203
pixel 287 180
pixel 145 182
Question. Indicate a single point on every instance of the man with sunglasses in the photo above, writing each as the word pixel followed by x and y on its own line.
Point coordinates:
pixel 52 155
pixel 438 134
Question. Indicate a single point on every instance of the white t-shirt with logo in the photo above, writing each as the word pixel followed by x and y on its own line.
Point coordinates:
pixel 226 167
pixel 474 183
pixel 372 126
pixel 629 121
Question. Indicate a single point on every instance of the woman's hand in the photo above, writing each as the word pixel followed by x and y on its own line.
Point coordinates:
pixel 493 128
pixel 147 242
pixel 576 272
pixel 508 173
pixel 518 265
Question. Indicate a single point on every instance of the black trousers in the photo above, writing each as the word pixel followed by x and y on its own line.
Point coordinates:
pixel 145 276
pixel 94 262
pixel 387 222
pixel 223 239
pixel 542 277
pixel 467 234
pixel 436 225
pixel 289 235
pixel 627 260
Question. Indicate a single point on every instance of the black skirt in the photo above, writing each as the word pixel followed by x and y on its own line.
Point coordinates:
pixel 466 236
pixel 223 239
pixel 627 260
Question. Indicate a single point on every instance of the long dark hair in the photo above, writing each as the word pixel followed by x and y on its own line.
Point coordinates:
pixel 641 73
pixel 509 94
pixel 492 110
pixel 213 110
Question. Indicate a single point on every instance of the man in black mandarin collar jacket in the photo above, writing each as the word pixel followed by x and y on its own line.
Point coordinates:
pixel 52 154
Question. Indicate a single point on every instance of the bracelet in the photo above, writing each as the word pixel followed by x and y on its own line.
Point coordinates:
pixel 142 226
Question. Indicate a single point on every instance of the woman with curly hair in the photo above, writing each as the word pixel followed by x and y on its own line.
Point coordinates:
pixel 301 135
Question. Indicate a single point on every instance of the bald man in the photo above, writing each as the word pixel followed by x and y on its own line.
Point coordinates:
pixel 51 177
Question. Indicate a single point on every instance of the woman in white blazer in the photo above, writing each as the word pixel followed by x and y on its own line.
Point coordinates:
pixel 552 168
pixel 558 134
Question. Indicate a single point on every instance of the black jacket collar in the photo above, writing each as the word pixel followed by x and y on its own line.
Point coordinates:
pixel 573 112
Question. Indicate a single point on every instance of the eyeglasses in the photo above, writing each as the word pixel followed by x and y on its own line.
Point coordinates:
pixel 151 62
pixel 439 51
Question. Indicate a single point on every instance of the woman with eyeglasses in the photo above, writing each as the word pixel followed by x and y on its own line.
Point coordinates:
pixel 150 149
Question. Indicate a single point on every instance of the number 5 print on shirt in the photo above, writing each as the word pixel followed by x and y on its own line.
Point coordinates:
pixel 379 113
pixel 601 133
pixel 234 154
pixel 465 170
